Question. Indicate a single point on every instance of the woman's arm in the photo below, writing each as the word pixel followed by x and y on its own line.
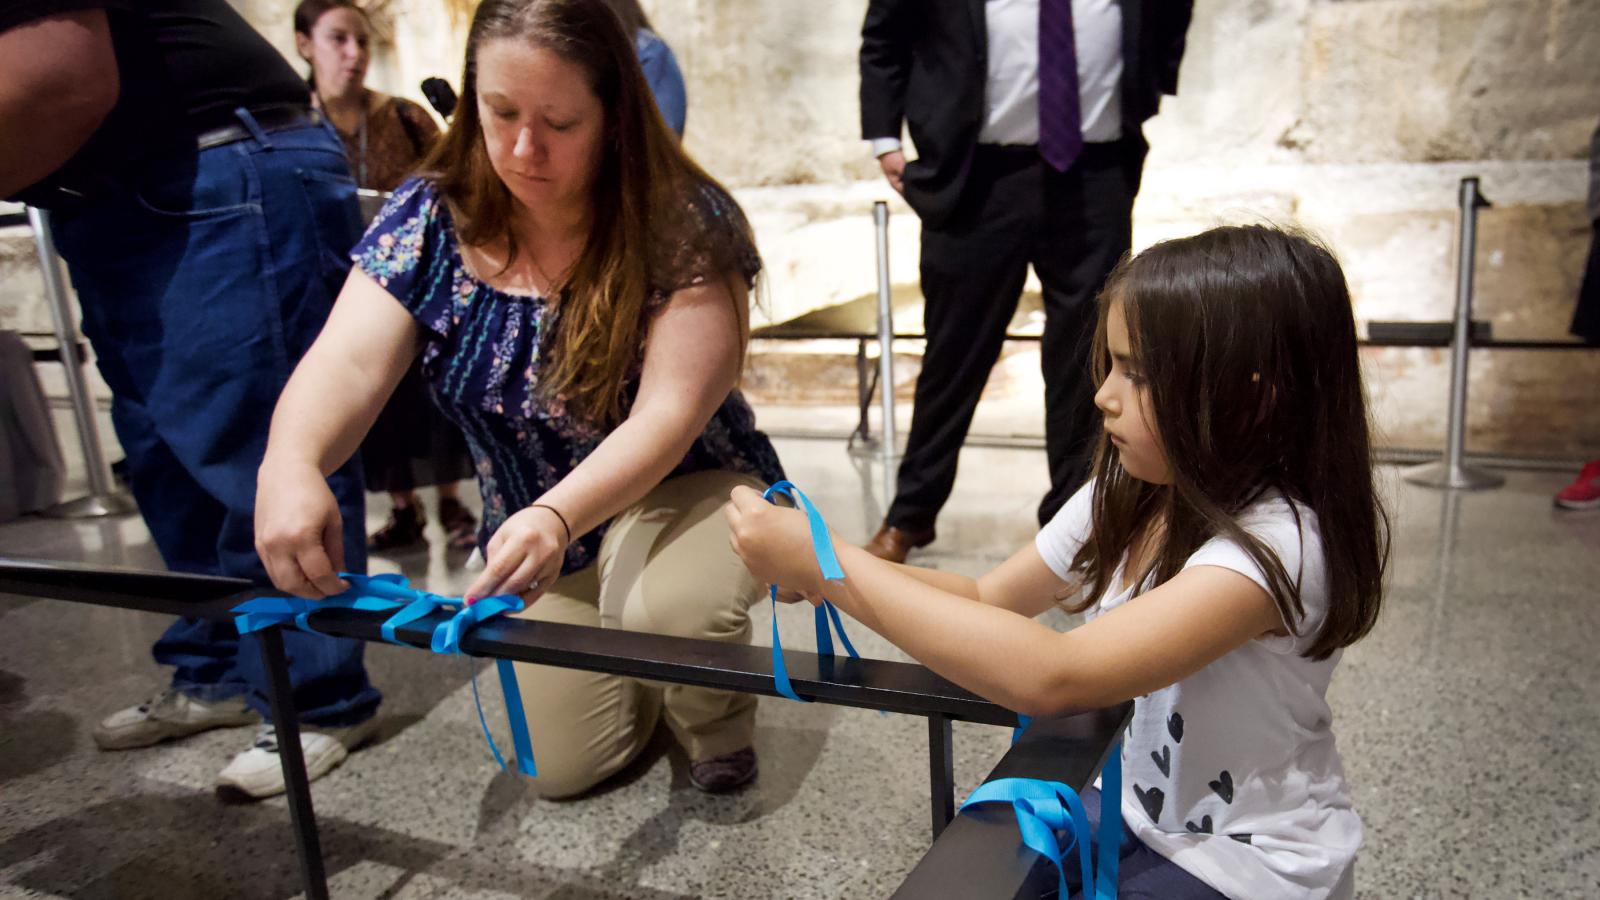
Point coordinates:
pixel 341 384
pixel 326 408
pixel 691 363
pixel 1148 643
pixel 58 82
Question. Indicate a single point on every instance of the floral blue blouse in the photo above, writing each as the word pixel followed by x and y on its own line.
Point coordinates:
pixel 481 359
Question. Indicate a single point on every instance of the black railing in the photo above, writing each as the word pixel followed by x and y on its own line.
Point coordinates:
pixel 1082 740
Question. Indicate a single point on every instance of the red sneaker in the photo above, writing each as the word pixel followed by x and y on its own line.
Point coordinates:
pixel 1584 492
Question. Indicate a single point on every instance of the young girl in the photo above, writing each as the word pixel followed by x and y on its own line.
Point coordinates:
pixel 1229 545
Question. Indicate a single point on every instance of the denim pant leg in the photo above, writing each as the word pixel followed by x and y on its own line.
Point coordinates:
pixel 1143 873
pixel 201 288
pixel 203 653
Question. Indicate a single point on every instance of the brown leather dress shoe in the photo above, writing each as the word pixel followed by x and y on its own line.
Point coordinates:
pixel 893 543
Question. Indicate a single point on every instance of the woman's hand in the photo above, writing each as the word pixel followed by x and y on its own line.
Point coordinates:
pixel 787 596
pixel 524 556
pixel 299 535
pixel 775 544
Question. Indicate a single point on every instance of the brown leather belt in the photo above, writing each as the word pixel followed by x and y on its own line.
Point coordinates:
pixel 270 118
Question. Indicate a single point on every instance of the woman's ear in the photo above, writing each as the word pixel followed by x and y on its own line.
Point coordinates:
pixel 302 45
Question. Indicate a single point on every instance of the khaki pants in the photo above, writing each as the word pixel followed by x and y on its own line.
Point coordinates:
pixel 665 567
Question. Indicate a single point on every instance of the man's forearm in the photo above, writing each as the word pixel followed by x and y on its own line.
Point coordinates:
pixel 58 81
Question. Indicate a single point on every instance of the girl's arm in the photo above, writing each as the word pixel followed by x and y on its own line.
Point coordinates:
pixel 1022 584
pixel 1148 643
pixel 691 363
pixel 329 404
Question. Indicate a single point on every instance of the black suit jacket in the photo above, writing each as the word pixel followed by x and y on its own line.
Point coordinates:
pixel 925 63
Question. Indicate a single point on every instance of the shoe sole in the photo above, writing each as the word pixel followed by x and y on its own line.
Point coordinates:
pixel 316 767
pixel 171 731
pixel 754 771
pixel 1578 504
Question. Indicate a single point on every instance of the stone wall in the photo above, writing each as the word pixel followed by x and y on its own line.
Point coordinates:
pixel 1355 118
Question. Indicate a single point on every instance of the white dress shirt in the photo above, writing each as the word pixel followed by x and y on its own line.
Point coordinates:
pixel 1011 90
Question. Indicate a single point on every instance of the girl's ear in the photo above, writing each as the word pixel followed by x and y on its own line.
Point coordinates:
pixel 302 46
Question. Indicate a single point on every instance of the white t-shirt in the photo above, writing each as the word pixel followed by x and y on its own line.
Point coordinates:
pixel 1232 772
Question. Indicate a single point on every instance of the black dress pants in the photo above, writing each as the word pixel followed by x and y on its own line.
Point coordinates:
pixel 1072 227
pixel 1586 318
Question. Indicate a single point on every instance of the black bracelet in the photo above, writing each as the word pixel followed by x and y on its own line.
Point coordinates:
pixel 558 515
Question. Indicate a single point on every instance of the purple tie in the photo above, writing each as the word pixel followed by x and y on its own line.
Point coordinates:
pixel 1060 120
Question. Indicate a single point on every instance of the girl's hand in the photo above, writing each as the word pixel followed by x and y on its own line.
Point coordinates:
pixel 775 544
pixel 524 556
pixel 299 535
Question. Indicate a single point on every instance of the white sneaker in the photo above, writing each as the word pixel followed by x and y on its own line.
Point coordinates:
pixel 258 772
pixel 170 714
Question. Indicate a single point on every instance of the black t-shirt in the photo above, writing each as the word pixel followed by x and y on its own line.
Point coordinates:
pixel 184 66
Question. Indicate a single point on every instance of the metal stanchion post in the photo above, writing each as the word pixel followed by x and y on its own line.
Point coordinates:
pixel 1450 472
pixel 103 498
pixel 880 218
pixel 371 203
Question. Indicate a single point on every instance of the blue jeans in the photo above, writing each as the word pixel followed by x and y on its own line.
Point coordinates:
pixel 202 283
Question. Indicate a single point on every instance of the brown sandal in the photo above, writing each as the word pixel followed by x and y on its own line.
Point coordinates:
pixel 460 525
pixel 403 531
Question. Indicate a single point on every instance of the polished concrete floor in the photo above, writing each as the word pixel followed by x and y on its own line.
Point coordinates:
pixel 1469 720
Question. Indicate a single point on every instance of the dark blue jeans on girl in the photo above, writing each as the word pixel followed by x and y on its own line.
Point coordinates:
pixel 1143 873
pixel 203 279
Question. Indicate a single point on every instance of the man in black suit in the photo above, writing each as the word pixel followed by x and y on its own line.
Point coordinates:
pixel 1027 118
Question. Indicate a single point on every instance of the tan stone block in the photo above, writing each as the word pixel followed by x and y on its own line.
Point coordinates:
pixel 1432 80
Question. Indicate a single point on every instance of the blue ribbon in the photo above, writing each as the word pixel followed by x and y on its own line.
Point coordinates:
pixel 1022 725
pixel 1046 808
pixel 383 593
pixel 825 612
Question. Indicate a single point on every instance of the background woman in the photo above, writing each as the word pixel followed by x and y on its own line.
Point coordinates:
pixel 412 444
pixel 660 66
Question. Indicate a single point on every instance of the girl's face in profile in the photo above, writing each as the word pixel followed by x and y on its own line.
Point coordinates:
pixel 1124 399
pixel 337 50
pixel 542 123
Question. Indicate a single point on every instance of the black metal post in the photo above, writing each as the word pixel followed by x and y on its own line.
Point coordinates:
pixel 880 220
pixel 941 772
pixel 287 723
pixel 863 393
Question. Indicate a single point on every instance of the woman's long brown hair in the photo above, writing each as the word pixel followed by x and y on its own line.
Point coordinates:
pixel 1248 342
pixel 657 215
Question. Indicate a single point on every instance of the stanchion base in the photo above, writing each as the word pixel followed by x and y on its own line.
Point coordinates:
pixel 1443 475
pixel 94 506
pixel 865 446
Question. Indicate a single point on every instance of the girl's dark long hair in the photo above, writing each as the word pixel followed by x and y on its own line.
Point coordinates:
pixel 1247 340
pixel 655 210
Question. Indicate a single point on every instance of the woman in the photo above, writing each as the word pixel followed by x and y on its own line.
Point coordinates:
pixel 578 290
pixel 411 445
